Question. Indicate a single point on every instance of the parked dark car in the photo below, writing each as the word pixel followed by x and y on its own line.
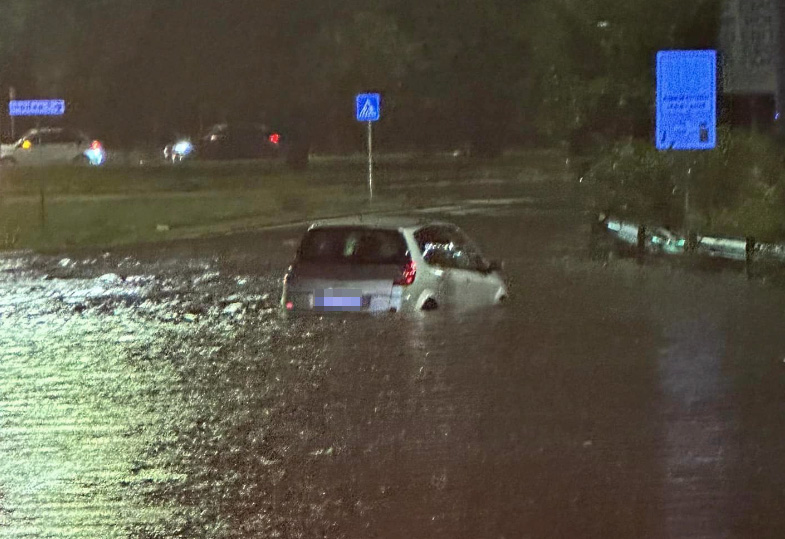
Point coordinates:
pixel 229 141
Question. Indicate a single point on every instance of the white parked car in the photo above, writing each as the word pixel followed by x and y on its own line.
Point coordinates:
pixel 53 146
pixel 386 264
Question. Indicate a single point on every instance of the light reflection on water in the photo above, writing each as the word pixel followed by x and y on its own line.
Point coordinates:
pixel 699 439
pixel 122 410
pixel 175 402
pixel 74 417
pixel 66 433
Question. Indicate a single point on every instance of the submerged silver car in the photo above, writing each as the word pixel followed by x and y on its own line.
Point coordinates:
pixel 381 264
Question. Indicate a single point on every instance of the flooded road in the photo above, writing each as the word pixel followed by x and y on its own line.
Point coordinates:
pixel 156 393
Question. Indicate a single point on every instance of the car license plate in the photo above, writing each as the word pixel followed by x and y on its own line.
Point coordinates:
pixel 338 300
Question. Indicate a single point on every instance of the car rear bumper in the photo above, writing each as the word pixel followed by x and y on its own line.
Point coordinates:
pixel 308 302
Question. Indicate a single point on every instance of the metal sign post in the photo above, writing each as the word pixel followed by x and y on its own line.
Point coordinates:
pixel 370 160
pixel 38 107
pixel 368 109
pixel 686 106
pixel 11 97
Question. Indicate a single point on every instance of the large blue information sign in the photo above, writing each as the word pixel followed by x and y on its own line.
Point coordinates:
pixel 686 100
pixel 40 107
pixel 368 107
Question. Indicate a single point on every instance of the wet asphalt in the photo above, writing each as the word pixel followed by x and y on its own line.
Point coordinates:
pixel 156 392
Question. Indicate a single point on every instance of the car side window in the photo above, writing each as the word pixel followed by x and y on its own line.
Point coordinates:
pixel 33 138
pixel 468 255
pixel 48 137
pixel 217 132
pixel 431 244
pixel 59 137
pixel 72 137
pixel 448 247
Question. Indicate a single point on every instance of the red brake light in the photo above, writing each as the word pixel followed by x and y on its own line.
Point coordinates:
pixel 408 274
pixel 275 138
pixel 289 305
pixel 95 145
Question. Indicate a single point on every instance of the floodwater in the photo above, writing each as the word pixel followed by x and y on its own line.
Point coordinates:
pixel 155 392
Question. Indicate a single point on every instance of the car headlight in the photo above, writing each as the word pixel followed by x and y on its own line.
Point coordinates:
pixel 182 147
pixel 96 156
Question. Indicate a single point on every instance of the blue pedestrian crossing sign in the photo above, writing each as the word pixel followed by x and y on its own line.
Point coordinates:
pixel 686 100
pixel 368 107
pixel 37 107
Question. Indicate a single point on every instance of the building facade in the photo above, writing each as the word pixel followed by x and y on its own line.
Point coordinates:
pixel 753 70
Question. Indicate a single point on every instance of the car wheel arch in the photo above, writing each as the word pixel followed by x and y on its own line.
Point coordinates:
pixel 425 295
pixel 502 296
pixel 430 304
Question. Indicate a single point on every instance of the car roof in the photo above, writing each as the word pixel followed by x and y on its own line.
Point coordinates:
pixel 390 222
pixel 39 130
pixel 238 125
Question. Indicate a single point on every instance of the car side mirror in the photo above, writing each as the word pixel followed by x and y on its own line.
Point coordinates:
pixel 495 265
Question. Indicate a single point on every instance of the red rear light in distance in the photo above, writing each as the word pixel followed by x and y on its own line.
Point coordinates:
pixel 408 274
pixel 275 138
pixel 95 145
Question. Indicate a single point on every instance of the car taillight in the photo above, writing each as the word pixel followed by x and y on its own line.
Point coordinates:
pixel 95 145
pixel 408 274
pixel 275 138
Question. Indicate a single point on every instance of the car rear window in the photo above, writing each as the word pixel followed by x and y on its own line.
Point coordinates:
pixel 352 245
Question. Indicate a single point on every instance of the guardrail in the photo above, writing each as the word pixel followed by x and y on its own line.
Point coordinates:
pixel 614 236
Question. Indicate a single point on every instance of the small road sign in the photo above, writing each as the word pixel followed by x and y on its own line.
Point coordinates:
pixel 40 107
pixel 686 100
pixel 368 107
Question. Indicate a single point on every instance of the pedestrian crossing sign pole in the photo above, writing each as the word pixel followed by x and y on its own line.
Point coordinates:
pixel 368 109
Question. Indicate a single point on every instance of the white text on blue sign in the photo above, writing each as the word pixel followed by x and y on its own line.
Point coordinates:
pixel 686 116
pixel 40 107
